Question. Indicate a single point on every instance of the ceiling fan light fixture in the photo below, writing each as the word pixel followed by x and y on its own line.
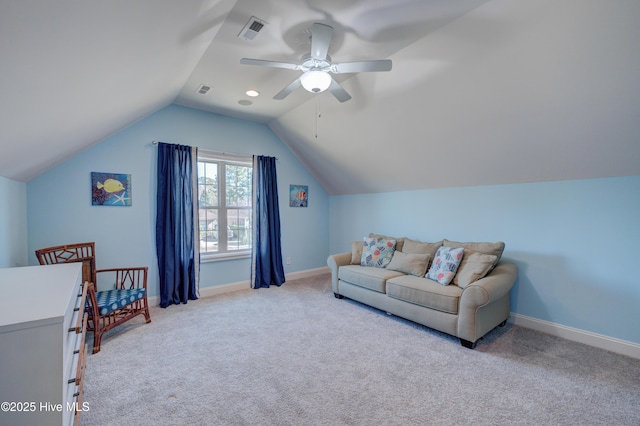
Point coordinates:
pixel 315 81
pixel 316 66
pixel 252 93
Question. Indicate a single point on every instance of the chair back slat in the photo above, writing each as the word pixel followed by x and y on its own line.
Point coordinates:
pixel 70 253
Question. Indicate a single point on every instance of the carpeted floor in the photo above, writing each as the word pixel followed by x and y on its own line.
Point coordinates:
pixel 295 355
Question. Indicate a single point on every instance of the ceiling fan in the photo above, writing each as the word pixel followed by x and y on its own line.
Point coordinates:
pixel 316 66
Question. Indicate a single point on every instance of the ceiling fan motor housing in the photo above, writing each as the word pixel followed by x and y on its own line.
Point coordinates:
pixel 307 63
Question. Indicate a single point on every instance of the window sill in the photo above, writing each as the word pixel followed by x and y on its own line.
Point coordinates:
pixel 218 257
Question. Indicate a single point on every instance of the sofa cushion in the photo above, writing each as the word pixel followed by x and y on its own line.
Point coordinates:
pixel 444 266
pixel 356 252
pixel 377 252
pixel 412 246
pixel 399 241
pixel 474 265
pixel 364 276
pixel 409 263
pixel 425 292
pixel 495 249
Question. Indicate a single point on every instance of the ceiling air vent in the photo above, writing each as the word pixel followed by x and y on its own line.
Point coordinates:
pixel 252 28
pixel 203 89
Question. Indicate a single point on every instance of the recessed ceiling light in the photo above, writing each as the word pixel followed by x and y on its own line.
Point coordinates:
pixel 252 92
pixel 245 102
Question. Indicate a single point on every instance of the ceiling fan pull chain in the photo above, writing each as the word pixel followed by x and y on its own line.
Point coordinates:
pixel 317 114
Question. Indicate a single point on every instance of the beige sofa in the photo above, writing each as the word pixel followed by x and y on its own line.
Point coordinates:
pixel 475 302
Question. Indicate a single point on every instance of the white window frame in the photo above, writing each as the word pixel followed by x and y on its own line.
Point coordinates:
pixel 224 253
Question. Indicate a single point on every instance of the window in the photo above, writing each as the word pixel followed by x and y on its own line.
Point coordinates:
pixel 224 205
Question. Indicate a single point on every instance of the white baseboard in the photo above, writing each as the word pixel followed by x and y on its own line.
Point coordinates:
pixel 216 290
pixel 308 273
pixel 211 291
pixel 588 338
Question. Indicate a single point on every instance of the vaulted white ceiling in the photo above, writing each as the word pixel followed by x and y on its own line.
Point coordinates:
pixel 481 91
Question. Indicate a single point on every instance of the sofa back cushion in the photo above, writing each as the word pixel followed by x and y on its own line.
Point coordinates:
pixel 413 246
pixel 356 252
pixel 495 249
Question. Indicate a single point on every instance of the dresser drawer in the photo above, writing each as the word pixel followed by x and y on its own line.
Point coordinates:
pixel 79 407
pixel 76 358
pixel 73 322
pixel 74 331
pixel 74 379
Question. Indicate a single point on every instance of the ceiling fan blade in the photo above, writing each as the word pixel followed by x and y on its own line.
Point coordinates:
pixel 338 91
pixel 260 62
pixel 362 66
pixel 287 90
pixel 320 39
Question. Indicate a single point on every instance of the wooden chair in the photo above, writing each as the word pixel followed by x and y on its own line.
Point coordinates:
pixel 126 299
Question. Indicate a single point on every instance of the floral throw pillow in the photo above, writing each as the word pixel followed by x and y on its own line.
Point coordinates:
pixel 445 264
pixel 377 252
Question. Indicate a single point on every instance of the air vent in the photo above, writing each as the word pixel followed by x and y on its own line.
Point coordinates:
pixel 252 28
pixel 203 89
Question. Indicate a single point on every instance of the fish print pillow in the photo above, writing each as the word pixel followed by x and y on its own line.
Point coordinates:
pixel 377 252
pixel 445 264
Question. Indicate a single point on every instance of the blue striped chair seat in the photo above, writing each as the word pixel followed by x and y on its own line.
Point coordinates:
pixel 110 300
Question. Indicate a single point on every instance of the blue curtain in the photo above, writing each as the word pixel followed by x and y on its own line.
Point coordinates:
pixel 267 266
pixel 175 225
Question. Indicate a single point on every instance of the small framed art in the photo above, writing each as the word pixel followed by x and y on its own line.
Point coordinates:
pixel 110 189
pixel 298 195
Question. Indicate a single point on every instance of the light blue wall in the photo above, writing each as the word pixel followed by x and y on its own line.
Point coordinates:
pixel 575 242
pixel 13 223
pixel 60 210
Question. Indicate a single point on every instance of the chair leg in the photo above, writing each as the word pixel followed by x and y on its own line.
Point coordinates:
pixel 97 339
pixel 146 315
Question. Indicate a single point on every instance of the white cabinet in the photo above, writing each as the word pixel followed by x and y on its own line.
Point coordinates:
pixel 42 350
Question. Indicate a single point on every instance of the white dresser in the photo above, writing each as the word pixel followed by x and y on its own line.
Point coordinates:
pixel 42 350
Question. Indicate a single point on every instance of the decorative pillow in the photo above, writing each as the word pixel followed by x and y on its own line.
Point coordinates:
pixel 377 252
pixel 356 252
pixel 444 265
pixel 399 241
pixel 474 265
pixel 495 249
pixel 409 263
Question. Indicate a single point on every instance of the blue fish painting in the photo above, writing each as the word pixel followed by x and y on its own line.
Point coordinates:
pixel 110 189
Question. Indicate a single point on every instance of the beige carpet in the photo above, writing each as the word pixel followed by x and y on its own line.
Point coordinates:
pixel 295 355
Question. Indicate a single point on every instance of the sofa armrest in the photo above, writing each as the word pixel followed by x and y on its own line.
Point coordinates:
pixel 334 261
pixel 492 287
pixel 485 303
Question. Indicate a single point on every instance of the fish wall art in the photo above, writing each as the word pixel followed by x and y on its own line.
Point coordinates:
pixel 110 189
pixel 298 195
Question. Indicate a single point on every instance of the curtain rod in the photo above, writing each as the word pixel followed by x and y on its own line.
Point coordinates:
pixel 215 152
